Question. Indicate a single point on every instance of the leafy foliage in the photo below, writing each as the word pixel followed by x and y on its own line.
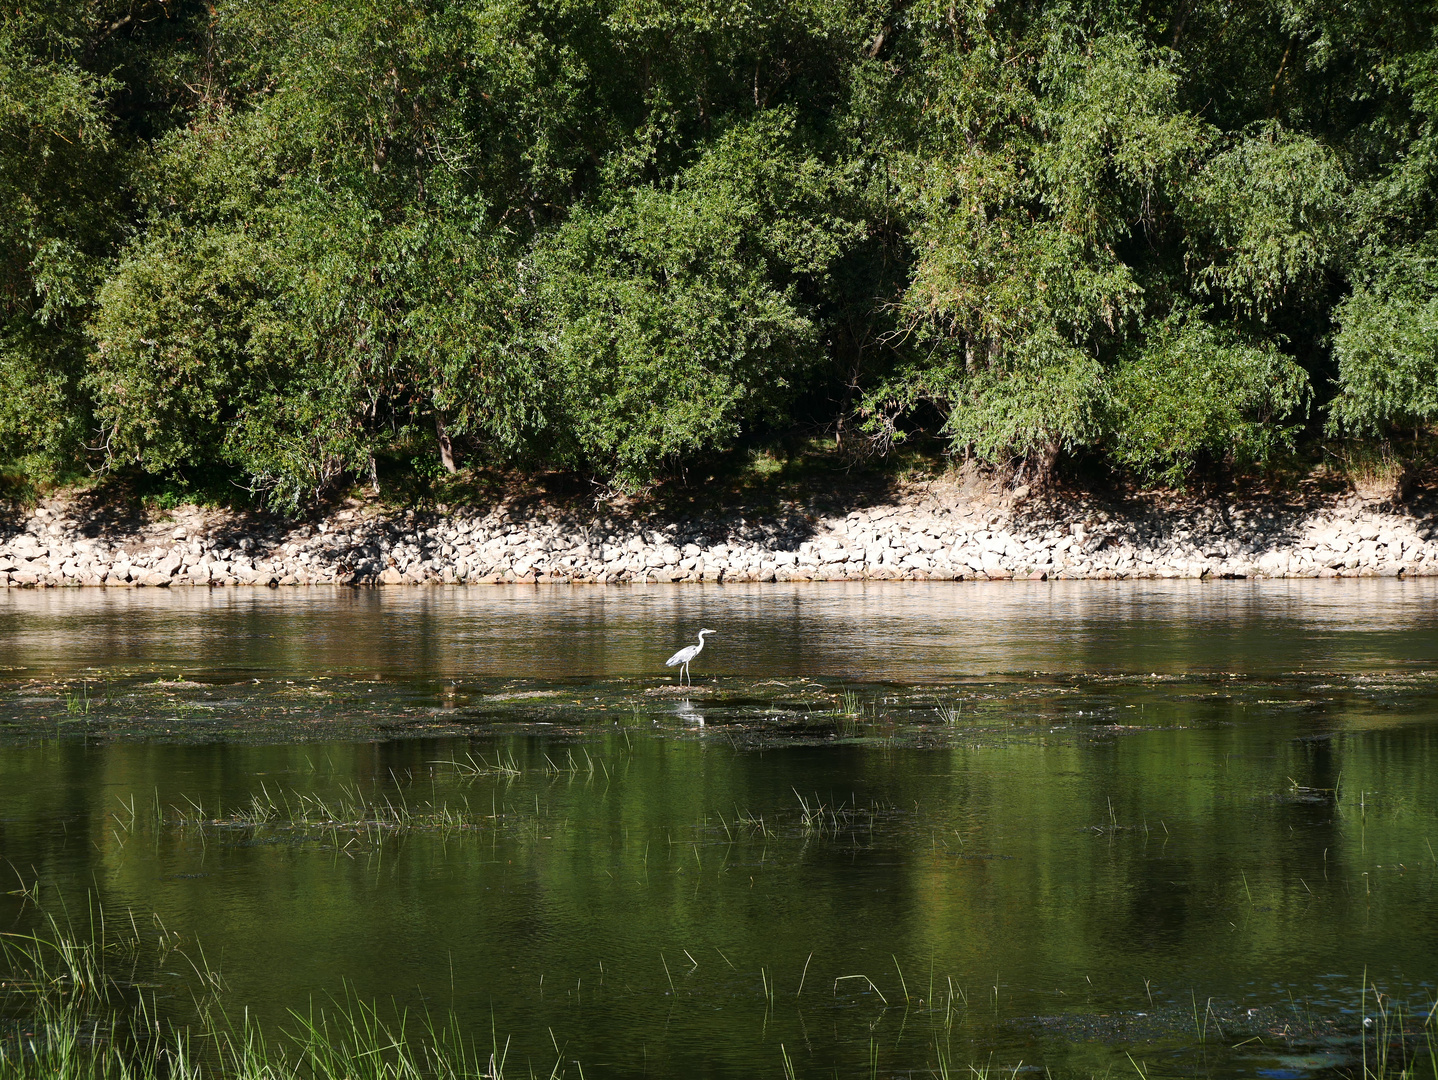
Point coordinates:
pixel 57 214
pixel 1387 350
pixel 1196 390
pixel 619 236
pixel 673 314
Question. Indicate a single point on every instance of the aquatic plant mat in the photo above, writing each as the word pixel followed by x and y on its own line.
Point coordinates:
pixel 981 710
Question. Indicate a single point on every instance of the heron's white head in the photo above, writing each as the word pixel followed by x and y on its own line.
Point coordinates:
pixel 703 632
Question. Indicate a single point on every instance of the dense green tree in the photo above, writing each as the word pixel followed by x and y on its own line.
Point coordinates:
pixel 673 315
pixel 58 195
pixel 1387 341
pixel 288 236
pixel 82 87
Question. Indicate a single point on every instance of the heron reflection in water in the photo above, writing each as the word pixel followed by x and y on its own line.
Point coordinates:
pixel 686 711
pixel 683 656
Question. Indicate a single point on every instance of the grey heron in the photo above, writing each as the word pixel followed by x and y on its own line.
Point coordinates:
pixel 684 655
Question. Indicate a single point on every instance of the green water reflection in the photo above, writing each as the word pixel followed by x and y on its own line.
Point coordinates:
pixel 1210 814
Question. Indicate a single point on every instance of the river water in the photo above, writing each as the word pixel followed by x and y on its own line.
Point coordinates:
pixel 895 828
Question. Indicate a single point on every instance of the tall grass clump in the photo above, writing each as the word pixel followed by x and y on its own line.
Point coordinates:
pixel 350 812
pixel 817 818
pixel 1392 1048
pixel 77 702
pixel 503 766
pixel 72 1007
pixel 949 714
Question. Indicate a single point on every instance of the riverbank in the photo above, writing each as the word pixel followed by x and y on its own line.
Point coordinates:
pixel 922 530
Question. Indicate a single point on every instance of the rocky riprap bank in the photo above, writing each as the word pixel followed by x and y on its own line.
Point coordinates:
pixel 924 534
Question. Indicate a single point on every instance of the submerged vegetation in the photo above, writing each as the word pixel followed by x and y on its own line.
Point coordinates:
pixel 83 1005
pixel 290 245
pixel 618 830
pixel 1185 851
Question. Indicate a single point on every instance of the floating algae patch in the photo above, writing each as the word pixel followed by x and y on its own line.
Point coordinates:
pixel 993 710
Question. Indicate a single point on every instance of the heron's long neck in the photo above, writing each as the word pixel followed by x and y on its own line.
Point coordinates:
pixel 701 641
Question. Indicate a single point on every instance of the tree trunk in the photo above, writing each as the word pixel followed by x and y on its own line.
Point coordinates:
pixel 446 448
pixel 1047 465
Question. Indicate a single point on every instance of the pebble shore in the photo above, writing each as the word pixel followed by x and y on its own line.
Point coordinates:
pixel 923 535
